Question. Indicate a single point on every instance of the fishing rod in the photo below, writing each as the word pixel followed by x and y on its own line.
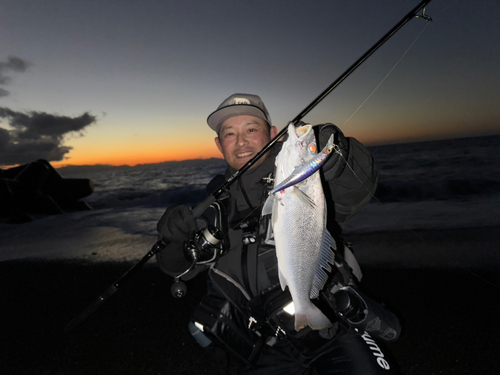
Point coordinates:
pixel 203 206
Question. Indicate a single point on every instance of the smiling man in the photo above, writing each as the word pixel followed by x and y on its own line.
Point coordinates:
pixel 243 280
pixel 241 138
pixel 243 126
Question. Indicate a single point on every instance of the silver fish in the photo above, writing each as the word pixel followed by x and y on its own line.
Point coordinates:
pixel 303 245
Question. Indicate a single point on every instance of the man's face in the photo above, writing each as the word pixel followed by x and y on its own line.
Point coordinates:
pixel 241 138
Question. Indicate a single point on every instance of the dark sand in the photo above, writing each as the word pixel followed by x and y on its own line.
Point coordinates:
pixel 449 317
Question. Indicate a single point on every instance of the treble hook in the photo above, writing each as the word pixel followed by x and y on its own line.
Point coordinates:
pixel 424 16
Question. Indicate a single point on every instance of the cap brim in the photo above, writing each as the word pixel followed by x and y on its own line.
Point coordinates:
pixel 215 119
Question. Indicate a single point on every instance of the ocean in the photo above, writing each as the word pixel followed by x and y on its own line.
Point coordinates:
pixel 451 183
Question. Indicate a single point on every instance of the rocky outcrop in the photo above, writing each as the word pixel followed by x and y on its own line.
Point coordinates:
pixel 37 188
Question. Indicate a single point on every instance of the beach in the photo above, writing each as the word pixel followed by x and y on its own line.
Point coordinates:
pixel 448 310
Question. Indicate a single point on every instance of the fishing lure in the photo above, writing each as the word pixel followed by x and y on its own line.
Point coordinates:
pixel 302 172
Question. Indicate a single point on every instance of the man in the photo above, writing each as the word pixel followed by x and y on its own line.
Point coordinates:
pixel 243 306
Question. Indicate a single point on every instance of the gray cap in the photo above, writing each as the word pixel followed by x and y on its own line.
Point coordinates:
pixel 238 105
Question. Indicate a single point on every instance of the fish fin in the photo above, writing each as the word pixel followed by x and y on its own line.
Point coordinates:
pixel 282 279
pixel 313 318
pixel 267 209
pixel 303 197
pixel 326 259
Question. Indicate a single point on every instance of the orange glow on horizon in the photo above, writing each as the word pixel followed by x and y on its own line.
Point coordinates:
pixel 136 157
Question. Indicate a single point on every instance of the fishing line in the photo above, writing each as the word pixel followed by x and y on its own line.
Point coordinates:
pixel 449 5
pixel 424 16
pixel 388 74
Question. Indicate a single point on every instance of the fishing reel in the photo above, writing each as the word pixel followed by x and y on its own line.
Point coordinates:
pixel 202 247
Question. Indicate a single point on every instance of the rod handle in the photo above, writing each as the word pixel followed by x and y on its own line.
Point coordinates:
pixel 202 207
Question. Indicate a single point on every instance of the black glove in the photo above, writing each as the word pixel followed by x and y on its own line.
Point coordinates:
pixel 176 224
pixel 335 165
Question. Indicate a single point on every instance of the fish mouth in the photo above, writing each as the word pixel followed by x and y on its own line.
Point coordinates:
pixel 299 132
pixel 304 129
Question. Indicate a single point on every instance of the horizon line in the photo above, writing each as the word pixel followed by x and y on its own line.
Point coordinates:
pixel 367 144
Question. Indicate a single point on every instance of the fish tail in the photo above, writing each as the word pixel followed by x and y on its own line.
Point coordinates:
pixel 312 317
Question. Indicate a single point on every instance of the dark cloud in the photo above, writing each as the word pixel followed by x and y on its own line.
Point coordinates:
pixel 14 64
pixel 37 135
pixel 37 124
pixel 33 135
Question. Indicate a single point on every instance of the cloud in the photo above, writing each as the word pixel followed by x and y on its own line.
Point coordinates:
pixel 37 135
pixel 14 64
pixel 33 135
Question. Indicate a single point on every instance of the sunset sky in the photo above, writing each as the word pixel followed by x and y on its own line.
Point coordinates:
pixel 148 73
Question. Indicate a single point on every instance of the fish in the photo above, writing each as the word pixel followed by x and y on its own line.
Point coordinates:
pixel 304 248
